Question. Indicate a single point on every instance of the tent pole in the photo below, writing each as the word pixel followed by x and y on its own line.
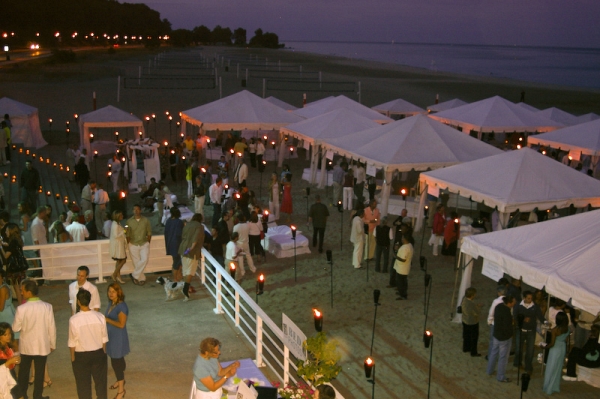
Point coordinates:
pixel 452 308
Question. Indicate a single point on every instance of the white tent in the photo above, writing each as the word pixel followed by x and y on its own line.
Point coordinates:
pixel 338 123
pixel 398 107
pixel 330 104
pixel 26 123
pixel 560 254
pixel 587 117
pixel 107 117
pixel 417 143
pixel 560 116
pixel 457 102
pixel 280 104
pixel 528 107
pixel 583 138
pixel 495 114
pixel 521 179
pixel 239 111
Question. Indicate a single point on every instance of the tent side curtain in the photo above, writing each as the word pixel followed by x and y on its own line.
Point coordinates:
pixel 84 130
pixel 225 126
pixel 502 206
pixel 535 140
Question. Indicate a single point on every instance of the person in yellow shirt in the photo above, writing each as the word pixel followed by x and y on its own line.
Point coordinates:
pixel 402 266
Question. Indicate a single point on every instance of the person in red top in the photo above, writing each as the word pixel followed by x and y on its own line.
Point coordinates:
pixel 451 234
pixel 7 356
pixel 439 221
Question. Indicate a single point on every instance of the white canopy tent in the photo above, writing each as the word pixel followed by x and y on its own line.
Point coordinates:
pixel 528 107
pixel 417 143
pixel 330 104
pixel 515 180
pixel 280 103
pixel 495 115
pixel 239 111
pixel 26 123
pixel 398 107
pixel 579 139
pixel 456 102
pixel 587 117
pixel 560 116
pixel 560 255
pixel 107 117
pixel 338 123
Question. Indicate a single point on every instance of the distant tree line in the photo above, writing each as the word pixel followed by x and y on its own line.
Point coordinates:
pixel 75 20
pixel 27 18
pixel 223 37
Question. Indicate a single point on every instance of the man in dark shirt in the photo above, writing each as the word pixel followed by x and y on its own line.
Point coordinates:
pixel 30 184
pixel 529 313
pixel 318 215
pixel 383 237
pixel 502 339
pixel 90 225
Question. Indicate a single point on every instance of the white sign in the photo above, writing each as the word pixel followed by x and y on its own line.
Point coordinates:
pixel 371 170
pixel 492 270
pixel 246 392
pixel 306 144
pixel 293 337
pixel 433 190
pixel 329 155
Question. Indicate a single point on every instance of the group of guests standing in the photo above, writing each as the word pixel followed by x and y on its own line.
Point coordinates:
pixel 28 336
pixel 522 319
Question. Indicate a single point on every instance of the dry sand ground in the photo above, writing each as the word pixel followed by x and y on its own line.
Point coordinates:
pixel 165 336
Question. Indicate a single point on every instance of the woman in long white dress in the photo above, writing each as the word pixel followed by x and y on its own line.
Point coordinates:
pixel 274 196
pixel 117 245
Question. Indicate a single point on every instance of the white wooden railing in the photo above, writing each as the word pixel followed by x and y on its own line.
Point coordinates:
pixel 60 262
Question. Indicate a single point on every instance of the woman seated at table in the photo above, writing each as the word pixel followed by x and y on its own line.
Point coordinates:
pixel 209 376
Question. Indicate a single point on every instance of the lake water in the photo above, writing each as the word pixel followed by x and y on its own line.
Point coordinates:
pixel 548 65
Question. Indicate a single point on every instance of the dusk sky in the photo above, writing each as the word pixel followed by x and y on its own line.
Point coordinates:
pixel 571 23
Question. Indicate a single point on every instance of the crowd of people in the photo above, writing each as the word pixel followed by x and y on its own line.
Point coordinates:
pixel 522 320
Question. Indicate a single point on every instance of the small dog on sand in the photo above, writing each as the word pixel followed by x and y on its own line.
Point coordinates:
pixel 172 288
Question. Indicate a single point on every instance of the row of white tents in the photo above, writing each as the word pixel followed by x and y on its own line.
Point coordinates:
pixel 507 181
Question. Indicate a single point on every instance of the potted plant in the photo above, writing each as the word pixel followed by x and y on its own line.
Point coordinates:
pixel 321 364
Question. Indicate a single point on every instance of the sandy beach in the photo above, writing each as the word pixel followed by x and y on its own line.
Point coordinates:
pixel 59 91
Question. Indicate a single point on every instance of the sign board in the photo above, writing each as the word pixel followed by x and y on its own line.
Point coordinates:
pixel 492 270
pixel 293 337
pixel 371 170
pixel 306 144
pixel 329 155
pixel 246 392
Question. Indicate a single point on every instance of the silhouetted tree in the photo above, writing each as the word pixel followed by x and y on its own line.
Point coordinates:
pixel 267 40
pixel 201 34
pixel 239 37
pixel 182 38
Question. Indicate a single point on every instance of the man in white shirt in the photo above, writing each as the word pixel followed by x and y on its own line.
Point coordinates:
pixel 241 174
pixel 82 282
pixel 87 341
pixel 232 251
pixel 77 230
pixel 87 196
pixel 215 192
pixel 501 290
pixel 243 242
pixel 34 319
pixel 115 168
pixel 101 201
pixel 38 231
pixel 357 237
pixel 260 152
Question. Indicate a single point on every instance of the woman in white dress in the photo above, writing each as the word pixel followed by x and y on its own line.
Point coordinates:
pixel 274 196
pixel 117 245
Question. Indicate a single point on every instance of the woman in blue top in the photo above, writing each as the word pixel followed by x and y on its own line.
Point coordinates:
pixel 209 376
pixel 118 341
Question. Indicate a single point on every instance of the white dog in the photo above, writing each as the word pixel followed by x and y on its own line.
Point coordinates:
pixel 172 288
